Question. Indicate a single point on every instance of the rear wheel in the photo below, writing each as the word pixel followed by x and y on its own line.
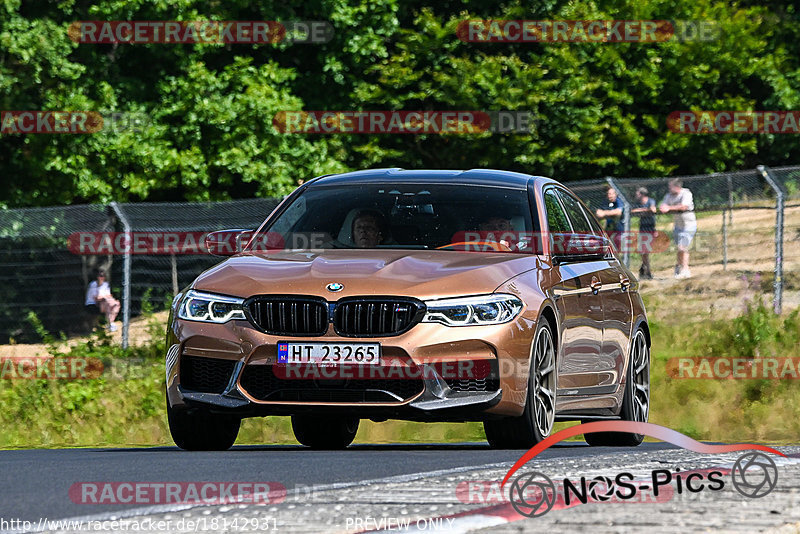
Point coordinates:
pixel 635 400
pixel 536 421
pixel 201 431
pixel 324 432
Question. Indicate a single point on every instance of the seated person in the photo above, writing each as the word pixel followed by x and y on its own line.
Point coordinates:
pixel 99 299
pixel 499 229
pixel 369 229
pixel 496 224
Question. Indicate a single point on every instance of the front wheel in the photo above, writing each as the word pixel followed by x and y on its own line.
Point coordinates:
pixel 201 431
pixel 324 432
pixel 635 400
pixel 538 417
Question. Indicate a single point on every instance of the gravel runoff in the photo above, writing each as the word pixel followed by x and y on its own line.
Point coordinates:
pixel 427 501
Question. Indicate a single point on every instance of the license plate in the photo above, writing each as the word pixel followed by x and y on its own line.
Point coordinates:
pixel 330 353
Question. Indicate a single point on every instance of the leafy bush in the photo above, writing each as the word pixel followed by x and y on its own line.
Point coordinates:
pixel 722 409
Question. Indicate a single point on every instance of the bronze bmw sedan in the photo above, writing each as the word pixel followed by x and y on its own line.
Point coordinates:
pixel 476 295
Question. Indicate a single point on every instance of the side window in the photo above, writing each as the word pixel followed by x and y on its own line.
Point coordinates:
pixel 557 221
pixel 579 223
pixel 596 228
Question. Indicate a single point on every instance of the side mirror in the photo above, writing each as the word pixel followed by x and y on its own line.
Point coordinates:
pixel 579 247
pixel 227 242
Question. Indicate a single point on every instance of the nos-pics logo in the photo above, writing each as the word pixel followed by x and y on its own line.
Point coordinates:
pixel 533 494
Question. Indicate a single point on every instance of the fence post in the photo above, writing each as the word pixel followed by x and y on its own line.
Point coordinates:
pixel 724 239
pixel 174 266
pixel 726 223
pixel 626 214
pixel 126 274
pixel 730 201
pixel 776 186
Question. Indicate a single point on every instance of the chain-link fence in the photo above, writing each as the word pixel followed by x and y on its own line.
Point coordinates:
pixel 715 198
pixel 48 257
pixel 744 220
pixel 748 222
pixel 164 274
pixel 38 272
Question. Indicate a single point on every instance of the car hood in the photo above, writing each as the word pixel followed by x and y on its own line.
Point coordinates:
pixel 422 274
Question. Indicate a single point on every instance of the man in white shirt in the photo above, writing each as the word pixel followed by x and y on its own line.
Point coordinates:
pixel 680 203
pixel 99 295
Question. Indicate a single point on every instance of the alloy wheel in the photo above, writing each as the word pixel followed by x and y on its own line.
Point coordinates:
pixel 640 360
pixel 544 382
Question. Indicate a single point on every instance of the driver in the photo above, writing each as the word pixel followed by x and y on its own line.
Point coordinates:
pixel 369 229
pixel 496 224
pixel 498 229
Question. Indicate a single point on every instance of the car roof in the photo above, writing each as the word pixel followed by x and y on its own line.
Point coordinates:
pixel 485 177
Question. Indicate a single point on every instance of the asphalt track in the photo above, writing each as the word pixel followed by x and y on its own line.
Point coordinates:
pixel 36 482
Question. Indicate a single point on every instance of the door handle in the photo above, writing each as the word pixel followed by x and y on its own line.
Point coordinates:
pixel 624 282
pixel 595 286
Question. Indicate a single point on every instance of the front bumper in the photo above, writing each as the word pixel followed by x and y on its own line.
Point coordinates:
pixel 244 349
pixel 437 402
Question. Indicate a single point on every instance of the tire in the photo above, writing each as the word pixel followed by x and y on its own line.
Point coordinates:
pixel 328 433
pixel 538 416
pixel 201 431
pixel 635 399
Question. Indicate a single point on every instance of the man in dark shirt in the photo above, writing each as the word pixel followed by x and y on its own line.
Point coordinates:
pixel 646 211
pixel 614 216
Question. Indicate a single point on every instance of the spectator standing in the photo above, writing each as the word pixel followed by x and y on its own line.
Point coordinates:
pixel 680 203
pixel 613 215
pixel 646 211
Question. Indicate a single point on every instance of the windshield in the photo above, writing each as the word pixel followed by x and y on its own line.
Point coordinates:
pixel 403 216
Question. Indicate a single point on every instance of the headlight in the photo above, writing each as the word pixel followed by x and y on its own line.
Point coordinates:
pixel 197 306
pixel 472 311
